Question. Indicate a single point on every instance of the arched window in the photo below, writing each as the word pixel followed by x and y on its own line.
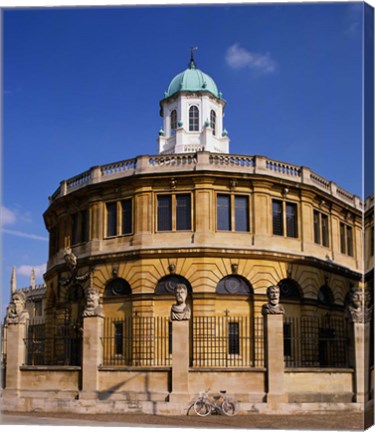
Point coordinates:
pixel 213 122
pixel 325 296
pixel 173 122
pixel 234 285
pixel 289 290
pixel 167 284
pixel 117 287
pixel 193 119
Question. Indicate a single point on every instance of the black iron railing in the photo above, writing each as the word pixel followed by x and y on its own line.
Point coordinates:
pixel 137 341
pixel 228 341
pixel 312 341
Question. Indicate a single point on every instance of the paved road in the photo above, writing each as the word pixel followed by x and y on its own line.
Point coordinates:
pixel 331 421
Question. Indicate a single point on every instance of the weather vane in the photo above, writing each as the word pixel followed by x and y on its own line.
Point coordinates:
pixel 192 49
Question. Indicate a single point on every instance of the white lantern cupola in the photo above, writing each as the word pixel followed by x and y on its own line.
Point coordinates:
pixel 192 112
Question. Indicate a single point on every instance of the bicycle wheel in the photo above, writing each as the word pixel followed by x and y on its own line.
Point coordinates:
pixel 229 408
pixel 202 408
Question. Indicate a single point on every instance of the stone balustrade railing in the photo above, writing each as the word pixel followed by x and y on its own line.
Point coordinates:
pixel 205 161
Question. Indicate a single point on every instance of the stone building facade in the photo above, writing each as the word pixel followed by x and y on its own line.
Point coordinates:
pixel 227 227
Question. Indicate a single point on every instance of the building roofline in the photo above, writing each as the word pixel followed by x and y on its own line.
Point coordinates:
pixel 205 161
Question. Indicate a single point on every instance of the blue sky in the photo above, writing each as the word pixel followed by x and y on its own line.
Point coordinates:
pixel 81 87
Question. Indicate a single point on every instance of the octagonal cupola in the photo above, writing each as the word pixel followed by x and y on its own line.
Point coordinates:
pixel 192 110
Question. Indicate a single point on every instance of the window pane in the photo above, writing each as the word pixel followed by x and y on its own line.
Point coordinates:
pixel 193 119
pixel 127 216
pixel 183 212
pixel 223 212
pixel 234 338
pixel 241 204
pixel 173 122
pixel 164 213
pixel 74 229
pixel 342 238
pixel 316 227
pixel 291 220
pixel 111 219
pixel 119 333
pixel 287 340
pixel 84 225
pixel 213 121
pixel 325 230
pixel 349 233
pixel 277 217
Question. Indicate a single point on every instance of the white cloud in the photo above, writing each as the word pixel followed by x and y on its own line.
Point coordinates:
pixel 8 217
pixel 240 58
pixel 24 235
pixel 25 270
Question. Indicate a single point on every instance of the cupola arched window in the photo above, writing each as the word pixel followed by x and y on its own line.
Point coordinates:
pixel 117 287
pixel 213 122
pixel 193 119
pixel 289 290
pixel 173 122
pixel 234 284
pixel 325 296
pixel 167 284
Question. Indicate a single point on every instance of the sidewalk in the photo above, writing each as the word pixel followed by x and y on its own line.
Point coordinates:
pixel 331 421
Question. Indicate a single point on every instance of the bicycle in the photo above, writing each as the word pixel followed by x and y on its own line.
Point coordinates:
pixel 218 404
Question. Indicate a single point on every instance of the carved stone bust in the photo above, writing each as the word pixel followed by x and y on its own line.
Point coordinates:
pixel 180 311
pixel 273 306
pixel 93 306
pixel 355 308
pixel 70 259
pixel 16 312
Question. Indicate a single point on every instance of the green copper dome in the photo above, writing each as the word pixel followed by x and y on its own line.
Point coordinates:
pixel 194 80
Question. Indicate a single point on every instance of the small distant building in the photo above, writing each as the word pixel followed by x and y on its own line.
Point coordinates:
pixel 227 227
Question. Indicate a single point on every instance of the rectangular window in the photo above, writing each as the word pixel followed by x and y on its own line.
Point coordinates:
pixel 277 217
pixel 321 228
pixel 316 227
pixel 38 310
pixel 342 238
pixel 346 239
pixel 287 340
pixel 291 220
pixel 84 225
pixel 223 213
pixel 75 238
pixel 183 212
pixel 164 213
pixel 233 338
pixel 241 217
pixel 325 230
pixel 119 338
pixel 111 219
pixel 349 240
pixel 126 207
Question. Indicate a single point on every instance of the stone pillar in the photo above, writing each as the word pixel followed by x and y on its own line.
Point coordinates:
pixel 180 316
pixel 273 313
pixel 358 312
pixel 92 355
pixel 16 352
pixel 275 359
pixel 180 361
pixel 361 332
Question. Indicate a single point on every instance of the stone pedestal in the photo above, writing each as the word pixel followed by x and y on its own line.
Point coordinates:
pixel 16 352
pixel 180 361
pixel 274 334
pixel 361 358
pixel 92 355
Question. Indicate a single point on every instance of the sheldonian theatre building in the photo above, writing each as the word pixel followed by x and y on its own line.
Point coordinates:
pixel 196 269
